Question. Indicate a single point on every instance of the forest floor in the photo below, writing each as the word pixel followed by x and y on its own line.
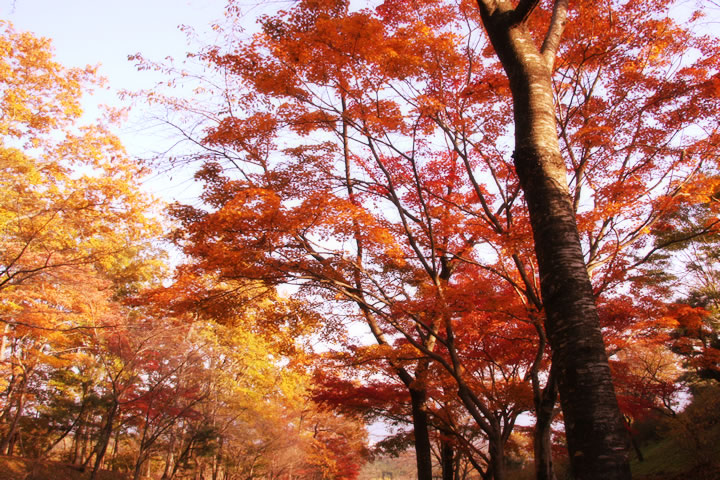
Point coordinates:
pixel 668 460
pixel 16 468
pixel 663 461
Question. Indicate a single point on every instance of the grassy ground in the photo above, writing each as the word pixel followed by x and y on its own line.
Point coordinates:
pixel 668 460
pixel 662 460
pixel 15 468
pixel 689 448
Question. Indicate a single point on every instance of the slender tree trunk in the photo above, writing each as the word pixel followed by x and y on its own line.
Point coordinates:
pixel 492 426
pixel 76 444
pixel 104 440
pixel 16 440
pixel 496 447
pixel 8 393
pixel 544 399
pixel 168 461
pixel 7 441
pixel 421 430
pixel 217 463
pixel 4 342
pixel 638 450
pixel 137 472
pixel 418 396
pixel 84 456
pixel 183 457
pixel 116 448
pixel 542 446
pixel 447 460
pixel 143 447
pixel 596 437
pixel 633 441
pixel 90 456
pixel 67 431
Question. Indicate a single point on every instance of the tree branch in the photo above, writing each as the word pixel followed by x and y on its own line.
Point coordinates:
pixel 525 8
pixel 554 33
pixel 487 7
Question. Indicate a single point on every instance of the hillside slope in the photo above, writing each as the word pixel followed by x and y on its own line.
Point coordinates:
pixel 16 468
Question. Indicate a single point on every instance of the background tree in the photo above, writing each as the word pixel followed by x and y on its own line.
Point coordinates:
pixel 99 375
pixel 76 230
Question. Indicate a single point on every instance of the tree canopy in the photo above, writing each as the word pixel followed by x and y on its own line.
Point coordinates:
pixel 490 225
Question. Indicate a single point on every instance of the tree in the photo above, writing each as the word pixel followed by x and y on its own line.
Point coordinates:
pixel 365 280
pixel 404 191
pixel 70 194
pixel 688 273
pixel 134 381
pixel 172 391
pixel 76 231
pixel 595 435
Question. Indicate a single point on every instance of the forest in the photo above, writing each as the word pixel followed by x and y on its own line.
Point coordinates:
pixel 476 238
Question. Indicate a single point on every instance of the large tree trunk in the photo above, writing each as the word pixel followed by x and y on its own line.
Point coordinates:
pixel 597 440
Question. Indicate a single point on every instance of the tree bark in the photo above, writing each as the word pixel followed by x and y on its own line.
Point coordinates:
pixel 496 448
pixel 421 430
pixel 544 400
pixel 633 441
pixel 597 440
pixel 7 441
pixel 137 472
pixel 104 440
pixel 542 445
pixel 447 460
pixel 168 460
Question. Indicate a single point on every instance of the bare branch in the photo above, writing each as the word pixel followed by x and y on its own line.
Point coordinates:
pixel 555 31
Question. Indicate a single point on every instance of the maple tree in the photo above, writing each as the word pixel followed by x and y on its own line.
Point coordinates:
pixel 256 419
pixel 361 381
pixel 375 209
pixel 688 274
pixel 199 228
pixel 394 167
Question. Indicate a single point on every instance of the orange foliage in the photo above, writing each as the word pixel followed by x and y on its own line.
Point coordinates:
pixel 370 166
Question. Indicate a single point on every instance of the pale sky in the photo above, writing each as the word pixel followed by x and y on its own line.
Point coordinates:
pixel 104 33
